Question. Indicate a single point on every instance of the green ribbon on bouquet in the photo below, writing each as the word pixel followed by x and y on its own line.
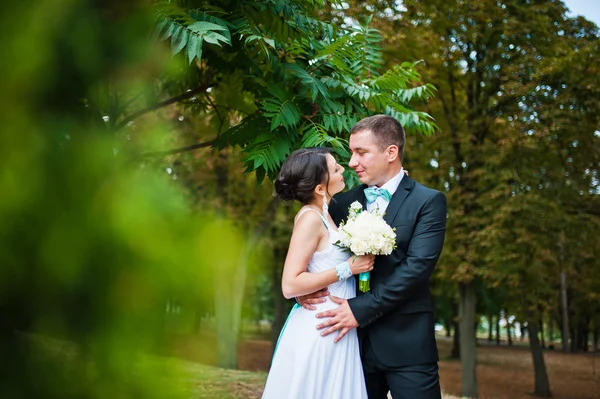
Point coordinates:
pixel 364 281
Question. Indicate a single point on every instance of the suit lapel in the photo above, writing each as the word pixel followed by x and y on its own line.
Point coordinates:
pixel 361 196
pixel 406 184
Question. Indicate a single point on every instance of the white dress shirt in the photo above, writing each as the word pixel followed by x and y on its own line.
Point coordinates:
pixel 391 185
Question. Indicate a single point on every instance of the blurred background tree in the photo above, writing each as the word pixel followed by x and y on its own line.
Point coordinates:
pixel 519 147
pixel 92 244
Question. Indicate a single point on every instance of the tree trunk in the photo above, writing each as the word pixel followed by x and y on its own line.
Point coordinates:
pixel 498 330
pixel 225 320
pixel 455 352
pixel 230 277
pixel 448 326
pixel 508 331
pixel 228 305
pixel 468 350
pixel 542 333
pixel 542 384
pixel 551 333
pixel 490 328
pixel 574 340
pixel 226 328
pixel 521 331
pixel 565 312
pixel 197 323
pixel 595 336
pixel 585 334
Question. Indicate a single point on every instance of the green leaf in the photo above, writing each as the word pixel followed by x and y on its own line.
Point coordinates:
pixel 170 29
pixel 192 46
pixel 214 38
pixel 260 175
pixel 270 42
pixel 161 24
pixel 204 26
pixel 179 41
pixel 284 113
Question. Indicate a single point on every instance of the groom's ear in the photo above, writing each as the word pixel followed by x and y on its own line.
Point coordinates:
pixel 392 153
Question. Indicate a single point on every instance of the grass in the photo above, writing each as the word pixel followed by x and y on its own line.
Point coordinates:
pixel 214 383
pixel 503 372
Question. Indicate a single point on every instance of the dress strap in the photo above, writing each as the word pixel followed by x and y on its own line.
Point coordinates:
pixel 303 211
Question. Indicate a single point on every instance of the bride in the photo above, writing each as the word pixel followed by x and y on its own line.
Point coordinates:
pixel 306 364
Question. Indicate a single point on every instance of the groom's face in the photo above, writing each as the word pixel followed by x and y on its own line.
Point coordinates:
pixel 370 162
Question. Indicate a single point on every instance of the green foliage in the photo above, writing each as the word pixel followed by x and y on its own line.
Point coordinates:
pixel 309 80
pixel 189 31
pixel 94 245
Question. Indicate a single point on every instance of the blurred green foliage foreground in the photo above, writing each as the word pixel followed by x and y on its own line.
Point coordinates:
pixel 91 246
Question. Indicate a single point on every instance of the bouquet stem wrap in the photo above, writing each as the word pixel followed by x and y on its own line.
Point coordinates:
pixel 364 281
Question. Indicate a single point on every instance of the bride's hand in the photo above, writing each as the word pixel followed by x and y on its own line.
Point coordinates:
pixel 361 264
pixel 307 301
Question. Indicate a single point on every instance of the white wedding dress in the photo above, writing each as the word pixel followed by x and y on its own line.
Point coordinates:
pixel 307 365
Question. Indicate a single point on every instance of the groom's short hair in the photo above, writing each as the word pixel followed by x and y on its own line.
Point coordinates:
pixel 386 130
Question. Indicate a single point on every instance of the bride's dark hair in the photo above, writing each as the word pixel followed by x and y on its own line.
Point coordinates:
pixel 301 172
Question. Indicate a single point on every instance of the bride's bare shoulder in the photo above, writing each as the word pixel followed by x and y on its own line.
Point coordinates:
pixel 307 216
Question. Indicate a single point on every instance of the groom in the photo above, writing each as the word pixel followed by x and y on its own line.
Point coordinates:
pixel 395 317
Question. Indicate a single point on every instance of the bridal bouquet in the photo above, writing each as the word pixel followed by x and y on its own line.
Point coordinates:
pixel 366 233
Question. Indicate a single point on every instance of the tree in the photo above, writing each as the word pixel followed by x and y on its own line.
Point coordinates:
pixel 491 62
pixel 92 246
pixel 270 78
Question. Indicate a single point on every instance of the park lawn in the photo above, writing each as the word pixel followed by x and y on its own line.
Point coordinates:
pixel 503 372
pixel 208 382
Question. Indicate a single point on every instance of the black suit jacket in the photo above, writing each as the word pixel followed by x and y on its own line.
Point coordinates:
pixel 396 315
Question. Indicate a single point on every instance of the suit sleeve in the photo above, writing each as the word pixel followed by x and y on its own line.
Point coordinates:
pixel 424 250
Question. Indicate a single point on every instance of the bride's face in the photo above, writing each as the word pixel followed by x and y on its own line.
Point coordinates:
pixel 336 179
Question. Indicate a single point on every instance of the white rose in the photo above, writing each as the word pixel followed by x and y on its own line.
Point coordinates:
pixel 355 208
pixel 387 248
pixel 358 247
pixel 377 243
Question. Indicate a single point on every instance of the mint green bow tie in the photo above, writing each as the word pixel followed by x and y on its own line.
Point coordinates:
pixel 373 192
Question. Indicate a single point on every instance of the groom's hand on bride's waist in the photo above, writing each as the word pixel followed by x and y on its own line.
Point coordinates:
pixel 340 318
pixel 307 301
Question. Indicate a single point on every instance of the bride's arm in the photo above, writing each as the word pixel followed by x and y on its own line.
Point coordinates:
pixel 308 232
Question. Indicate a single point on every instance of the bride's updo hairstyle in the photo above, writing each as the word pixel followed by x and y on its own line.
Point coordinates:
pixel 301 172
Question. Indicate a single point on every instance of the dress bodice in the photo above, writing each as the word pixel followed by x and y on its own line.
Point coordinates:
pixel 329 258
